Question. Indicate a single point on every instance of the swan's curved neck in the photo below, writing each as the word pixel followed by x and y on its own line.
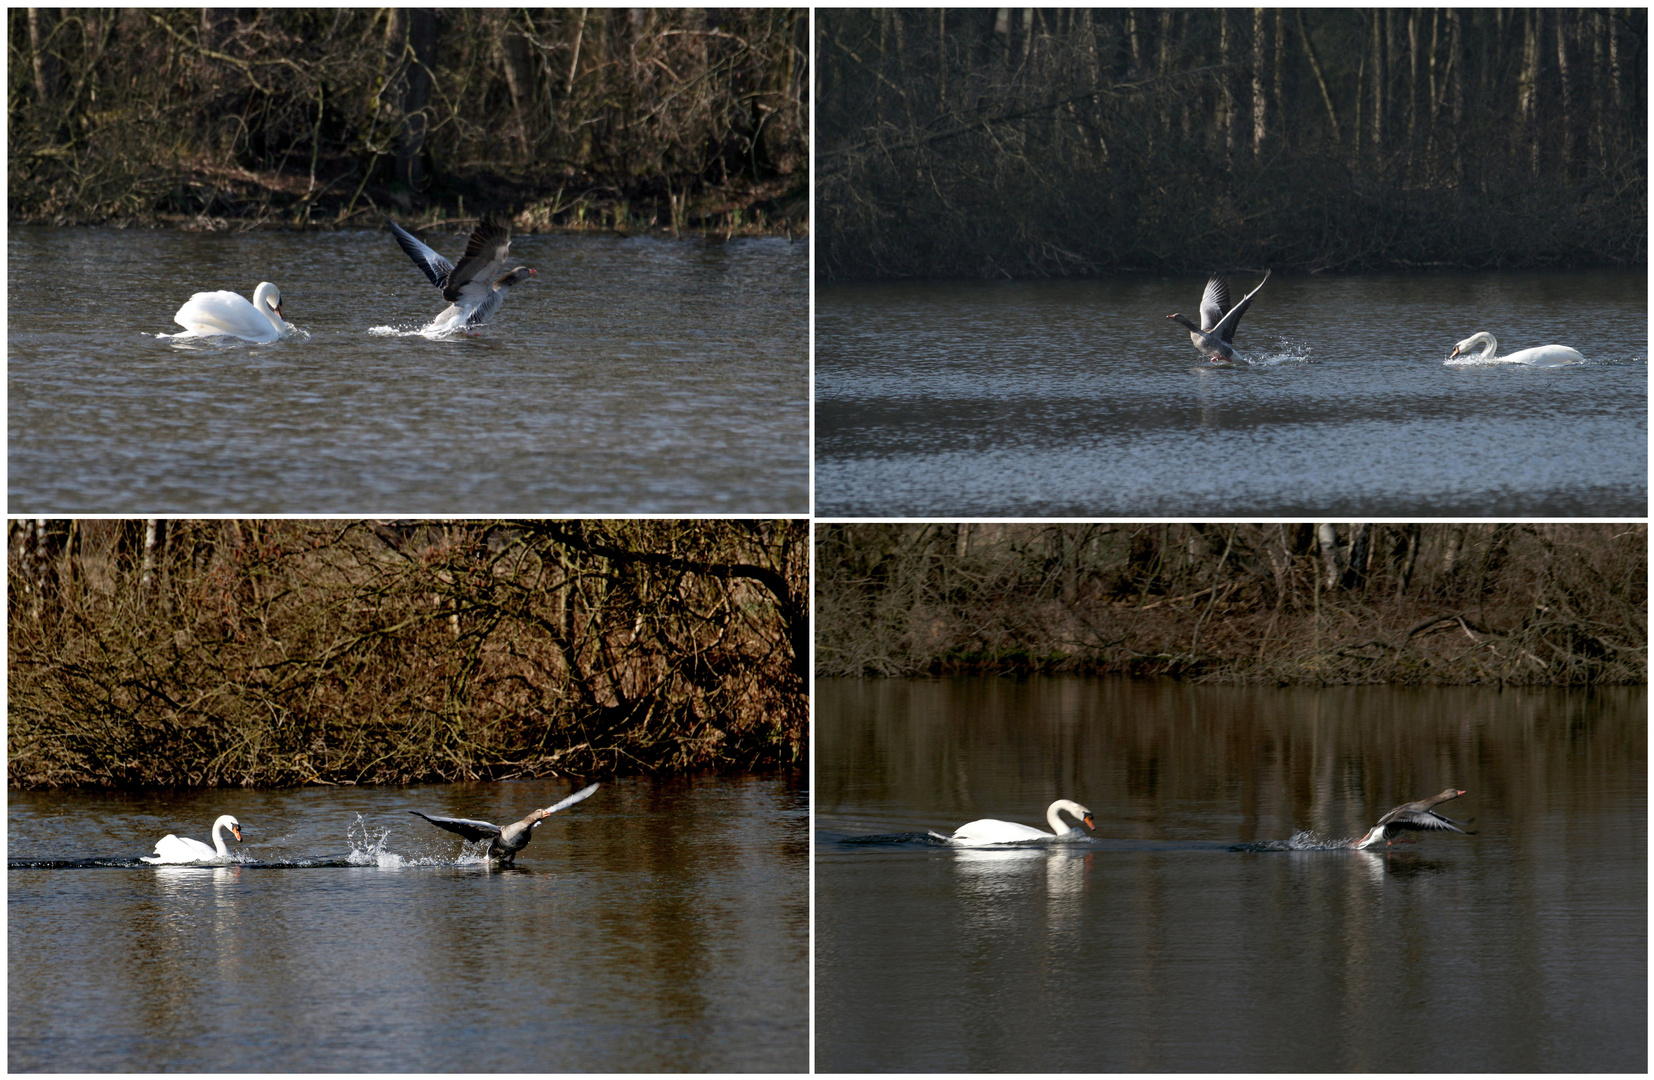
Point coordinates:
pixel 218 839
pixel 1490 345
pixel 1053 815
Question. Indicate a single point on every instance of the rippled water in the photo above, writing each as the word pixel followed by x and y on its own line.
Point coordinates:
pixel 1079 398
pixel 632 375
pixel 659 926
pixel 1216 920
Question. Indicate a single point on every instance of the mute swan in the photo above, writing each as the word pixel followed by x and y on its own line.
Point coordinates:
pixel 475 293
pixel 1217 319
pixel 1411 817
pixel 993 831
pixel 504 843
pixel 228 314
pixel 1544 354
pixel 181 849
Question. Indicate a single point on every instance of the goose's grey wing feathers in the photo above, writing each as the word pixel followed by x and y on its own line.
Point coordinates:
pixel 435 266
pixel 583 793
pixel 484 257
pixel 1417 819
pixel 1231 318
pixel 1214 301
pixel 471 830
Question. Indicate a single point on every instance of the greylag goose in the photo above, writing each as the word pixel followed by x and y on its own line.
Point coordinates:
pixel 504 843
pixel 171 849
pixel 1411 817
pixel 1543 354
pixel 228 314
pixel 1217 319
pixel 994 831
pixel 472 288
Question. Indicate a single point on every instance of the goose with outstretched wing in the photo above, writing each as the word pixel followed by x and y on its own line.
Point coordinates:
pixel 504 841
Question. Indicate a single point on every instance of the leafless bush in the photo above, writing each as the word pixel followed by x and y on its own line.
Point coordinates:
pixel 288 652
pixel 624 117
pixel 1504 603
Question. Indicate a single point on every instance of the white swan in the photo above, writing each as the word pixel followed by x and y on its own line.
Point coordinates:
pixel 1543 354
pixel 181 849
pixel 504 841
pixel 994 831
pixel 228 314
pixel 471 287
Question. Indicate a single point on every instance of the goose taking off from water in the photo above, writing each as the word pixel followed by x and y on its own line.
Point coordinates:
pixel 228 314
pixel 472 288
pixel 1217 319
pixel 994 831
pixel 1411 817
pixel 504 843
pixel 1543 355
pixel 181 849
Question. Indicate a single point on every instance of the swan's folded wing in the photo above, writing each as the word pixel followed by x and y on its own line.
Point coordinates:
pixel 435 266
pixel 471 830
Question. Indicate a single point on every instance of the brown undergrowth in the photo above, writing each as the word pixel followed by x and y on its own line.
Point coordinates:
pixel 1315 604
pixel 273 653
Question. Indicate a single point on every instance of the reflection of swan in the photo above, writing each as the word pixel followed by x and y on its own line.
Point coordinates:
pixel 228 314
pixel 1411 817
pixel 1217 319
pixel 471 288
pixel 1544 354
pixel 181 849
pixel 993 831
pixel 504 843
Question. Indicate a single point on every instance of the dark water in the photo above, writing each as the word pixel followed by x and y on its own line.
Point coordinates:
pixel 1079 398
pixel 655 927
pixel 632 375
pixel 1210 924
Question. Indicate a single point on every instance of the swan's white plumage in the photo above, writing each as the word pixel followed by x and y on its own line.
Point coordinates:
pixel 994 831
pixel 229 314
pixel 181 849
pixel 1542 354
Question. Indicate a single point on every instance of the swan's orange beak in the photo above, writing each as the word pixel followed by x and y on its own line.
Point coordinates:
pixel 1090 824
pixel 237 830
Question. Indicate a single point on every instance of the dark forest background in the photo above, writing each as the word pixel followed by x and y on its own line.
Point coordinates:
pixel 274 653
pixel 1315 603
pixel 1019 142
pixel 612 117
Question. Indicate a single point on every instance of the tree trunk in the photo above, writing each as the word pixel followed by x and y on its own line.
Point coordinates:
pixel 413 34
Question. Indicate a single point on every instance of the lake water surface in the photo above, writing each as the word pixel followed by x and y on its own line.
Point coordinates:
pixel 1079 398
pixel 658 926
pixel 632 375
pixel 1212 923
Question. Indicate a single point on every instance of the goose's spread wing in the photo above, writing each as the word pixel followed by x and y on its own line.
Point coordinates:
pixel 471 830
pixel 484 257
pixel 1214 301
pixel 1417 819
pixel 1231 319
pixel 583 793
pixel 435 266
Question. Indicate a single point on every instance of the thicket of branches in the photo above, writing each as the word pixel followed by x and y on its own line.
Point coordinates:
pixel 1031 141
pixel 200 653
pixel 625 117
pixel 1303 603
